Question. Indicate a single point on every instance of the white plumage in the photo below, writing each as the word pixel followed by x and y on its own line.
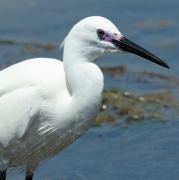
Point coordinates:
pixel 36 103
pixel 46 104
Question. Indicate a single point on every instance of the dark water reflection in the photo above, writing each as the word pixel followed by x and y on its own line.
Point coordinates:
pixel 141 151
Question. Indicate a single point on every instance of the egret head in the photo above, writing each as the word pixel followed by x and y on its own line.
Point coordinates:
pixel 95 36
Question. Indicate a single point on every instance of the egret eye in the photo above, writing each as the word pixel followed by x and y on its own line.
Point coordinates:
pixel 100 32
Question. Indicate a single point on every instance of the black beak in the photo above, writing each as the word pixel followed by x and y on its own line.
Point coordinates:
pixel 128 46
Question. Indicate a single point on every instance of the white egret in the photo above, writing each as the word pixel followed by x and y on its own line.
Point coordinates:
pixel 46 104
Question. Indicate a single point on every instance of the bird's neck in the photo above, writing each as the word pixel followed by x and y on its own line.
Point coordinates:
pixel 84 78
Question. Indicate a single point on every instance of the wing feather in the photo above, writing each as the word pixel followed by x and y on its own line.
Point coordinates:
pixel 18 109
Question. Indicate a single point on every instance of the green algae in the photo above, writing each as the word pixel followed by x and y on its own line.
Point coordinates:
pixel 30 45
pixel 120 105
pixel 155 24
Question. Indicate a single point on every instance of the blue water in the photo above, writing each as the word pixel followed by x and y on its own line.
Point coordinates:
pixel 141 151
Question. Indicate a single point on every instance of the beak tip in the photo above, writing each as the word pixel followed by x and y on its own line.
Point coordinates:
pixel 166 66
pixel 128 46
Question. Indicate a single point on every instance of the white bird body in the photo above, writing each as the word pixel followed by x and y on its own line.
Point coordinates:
pixel 46 104
pixel 36 99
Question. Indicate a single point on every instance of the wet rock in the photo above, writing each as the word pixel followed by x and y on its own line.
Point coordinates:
pixel 114 71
